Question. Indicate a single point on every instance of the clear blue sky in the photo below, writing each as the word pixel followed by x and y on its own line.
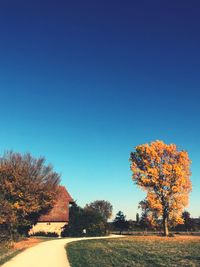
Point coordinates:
pixel 84 82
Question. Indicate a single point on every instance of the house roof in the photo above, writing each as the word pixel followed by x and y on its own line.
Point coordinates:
pixel 60 211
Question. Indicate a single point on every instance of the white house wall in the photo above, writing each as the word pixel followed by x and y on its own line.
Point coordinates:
pixel 53 227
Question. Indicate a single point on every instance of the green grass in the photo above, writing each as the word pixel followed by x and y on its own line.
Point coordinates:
pixel 135 251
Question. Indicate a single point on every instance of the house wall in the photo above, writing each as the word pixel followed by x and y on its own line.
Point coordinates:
pixel 53 227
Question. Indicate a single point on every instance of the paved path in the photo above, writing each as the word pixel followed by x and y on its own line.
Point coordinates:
pixel 46 254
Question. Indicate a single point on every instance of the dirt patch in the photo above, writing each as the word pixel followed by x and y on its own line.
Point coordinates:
pixel 27 243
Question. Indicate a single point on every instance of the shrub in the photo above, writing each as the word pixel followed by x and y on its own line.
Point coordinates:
pixel 46 234
pixel 87 219
pixel 96 229
pixel 4 235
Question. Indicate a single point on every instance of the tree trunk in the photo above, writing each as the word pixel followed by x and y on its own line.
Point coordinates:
pixel 165 226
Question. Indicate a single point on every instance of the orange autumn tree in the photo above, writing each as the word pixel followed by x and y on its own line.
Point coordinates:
pixel 28 189
pixel 164 173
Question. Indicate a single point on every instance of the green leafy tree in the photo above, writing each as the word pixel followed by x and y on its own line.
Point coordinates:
pixel 120 222
pixel 75 226
pixel 80 219
pixel 104 208
pixel 188 224
pixel 94 223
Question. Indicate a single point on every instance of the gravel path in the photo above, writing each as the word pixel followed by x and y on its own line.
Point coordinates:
pixel 47 254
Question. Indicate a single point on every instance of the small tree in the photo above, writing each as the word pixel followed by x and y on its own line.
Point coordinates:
pixel 149 217
pixel 164 172
pixel 187 220
pixel 75 226
pixel 104 208
pixel 137 218
pixel 120 222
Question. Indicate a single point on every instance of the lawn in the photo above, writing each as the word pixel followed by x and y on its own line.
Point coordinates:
pixel 136 251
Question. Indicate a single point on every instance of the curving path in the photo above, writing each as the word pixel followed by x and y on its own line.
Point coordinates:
pixel 47 254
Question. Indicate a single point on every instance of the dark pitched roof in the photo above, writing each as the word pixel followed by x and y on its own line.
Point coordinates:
pixel 60 211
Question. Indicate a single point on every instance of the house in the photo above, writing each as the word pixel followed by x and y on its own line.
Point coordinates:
pixel 57 217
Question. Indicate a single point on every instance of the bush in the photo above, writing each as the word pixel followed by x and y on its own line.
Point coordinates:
pixel 96 229
pixel 80 219
pixel 4 235
pixel 46 234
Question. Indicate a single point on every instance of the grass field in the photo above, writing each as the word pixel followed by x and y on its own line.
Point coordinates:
pixel 136 251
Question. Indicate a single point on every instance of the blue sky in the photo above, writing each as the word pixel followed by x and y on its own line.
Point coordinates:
pixel 83 82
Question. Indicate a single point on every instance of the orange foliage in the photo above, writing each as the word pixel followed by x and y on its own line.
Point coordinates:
pixel 28 188
pixel 164 172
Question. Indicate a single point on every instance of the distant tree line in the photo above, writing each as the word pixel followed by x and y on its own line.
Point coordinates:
pixel 93 218
pixel 142 224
